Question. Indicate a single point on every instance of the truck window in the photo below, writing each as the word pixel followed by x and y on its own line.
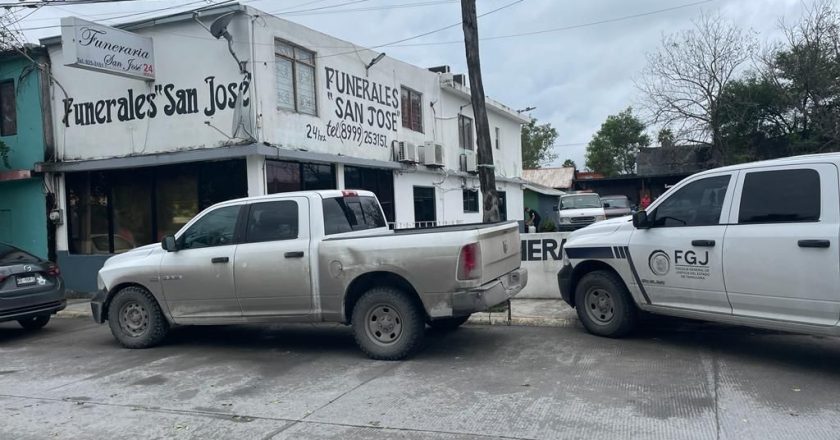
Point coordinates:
pixel 345 214
pixel 216 228
pixel 272 221
pixel 780 196
pixel 697 204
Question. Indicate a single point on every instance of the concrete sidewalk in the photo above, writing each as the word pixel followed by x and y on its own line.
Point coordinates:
pixel 525 311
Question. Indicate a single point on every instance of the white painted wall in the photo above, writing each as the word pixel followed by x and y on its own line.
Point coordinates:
pixel 542 266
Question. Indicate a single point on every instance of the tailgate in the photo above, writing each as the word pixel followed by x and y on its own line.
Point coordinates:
pixel 500 250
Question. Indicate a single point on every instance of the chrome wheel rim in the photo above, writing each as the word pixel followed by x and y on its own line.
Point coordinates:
pixel 134 319
pixel 383 324
pixel 599 305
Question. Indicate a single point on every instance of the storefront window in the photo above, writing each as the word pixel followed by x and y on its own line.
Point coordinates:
pixel 379 182
pixel 293 176
pixel 114 211
pixel 177 201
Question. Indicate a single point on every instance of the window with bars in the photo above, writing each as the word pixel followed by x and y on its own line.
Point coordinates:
pixel 295 68
pixel 412 109
pixel 8 109
pixel 465 133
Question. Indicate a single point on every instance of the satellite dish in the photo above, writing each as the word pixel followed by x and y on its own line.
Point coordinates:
pixel 219 27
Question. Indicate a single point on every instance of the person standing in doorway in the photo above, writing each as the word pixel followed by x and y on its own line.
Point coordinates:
pixel 645 201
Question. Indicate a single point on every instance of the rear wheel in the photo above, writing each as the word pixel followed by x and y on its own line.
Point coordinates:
pixel 448 324
pixel 136 319
pixel 388 324
pixel 34 322
pixel 604 305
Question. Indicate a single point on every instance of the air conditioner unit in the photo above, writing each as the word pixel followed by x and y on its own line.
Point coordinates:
pixel 407 152
pixel 468 162
pixel 434 154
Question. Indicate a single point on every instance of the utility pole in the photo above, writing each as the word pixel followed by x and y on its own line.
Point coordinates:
pixel 486 169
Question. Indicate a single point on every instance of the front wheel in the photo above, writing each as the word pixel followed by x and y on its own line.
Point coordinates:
pixel 34 322
pixel 388 324
pixel 448 324
pixel 136 319
pixel 604 305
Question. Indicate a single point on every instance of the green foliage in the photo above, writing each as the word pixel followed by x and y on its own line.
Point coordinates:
pixel 570 163
pixel 537 144
pixel 614 148
pixel 4 154
pixel 665 137
pixel 548 226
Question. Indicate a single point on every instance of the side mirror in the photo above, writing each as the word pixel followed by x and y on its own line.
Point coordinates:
pixel 606 205
pixel 556 208
pixel 169 244
pixel 641 221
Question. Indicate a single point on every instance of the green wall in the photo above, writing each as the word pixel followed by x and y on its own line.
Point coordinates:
pixel 23 217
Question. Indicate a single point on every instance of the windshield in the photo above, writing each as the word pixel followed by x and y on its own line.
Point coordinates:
pixel 580 201
pixel 616 202
pixel 13 255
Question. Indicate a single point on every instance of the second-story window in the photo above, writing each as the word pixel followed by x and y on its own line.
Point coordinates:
pixel 8 109
pixel 295 68
pixel 465 133
pixel 498 135
pixel 412 109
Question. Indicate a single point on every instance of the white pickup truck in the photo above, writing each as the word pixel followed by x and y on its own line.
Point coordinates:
pixel 756 244
pixel 318 256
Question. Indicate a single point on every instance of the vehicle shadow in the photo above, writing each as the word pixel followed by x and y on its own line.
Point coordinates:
pixel 814 354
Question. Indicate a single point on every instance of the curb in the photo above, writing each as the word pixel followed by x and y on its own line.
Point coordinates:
pixel 74 314
pixel 523 321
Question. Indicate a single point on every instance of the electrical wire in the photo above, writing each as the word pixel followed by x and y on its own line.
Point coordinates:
pixel 371 8
pixel 320 8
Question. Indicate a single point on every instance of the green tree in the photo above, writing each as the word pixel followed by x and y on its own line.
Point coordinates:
pixel 613 149
pixel 665 137
pixel 537 144
pixel 570 163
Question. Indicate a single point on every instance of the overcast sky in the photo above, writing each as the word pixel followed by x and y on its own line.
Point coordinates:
pixel 575 77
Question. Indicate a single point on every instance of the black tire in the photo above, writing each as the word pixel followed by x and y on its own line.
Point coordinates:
pixel 34 322
pixel 604 305
pixel 388 324
pixel 136 319
pixel 448 324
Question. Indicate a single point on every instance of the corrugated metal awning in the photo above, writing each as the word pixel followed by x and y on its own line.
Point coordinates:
pixel 543 190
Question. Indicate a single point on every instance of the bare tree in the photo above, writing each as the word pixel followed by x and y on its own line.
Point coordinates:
pixel 11 37
pixel 683 82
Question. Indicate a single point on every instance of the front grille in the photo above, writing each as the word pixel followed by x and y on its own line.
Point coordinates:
pixel 583 219
pixel 33 308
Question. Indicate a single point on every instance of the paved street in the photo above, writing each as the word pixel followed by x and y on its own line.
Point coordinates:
pixel 674 379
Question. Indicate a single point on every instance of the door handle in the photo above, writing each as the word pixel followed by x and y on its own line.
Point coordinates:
pixel 219 260
pixel 814 243
pixel 298 254
pixel 703 243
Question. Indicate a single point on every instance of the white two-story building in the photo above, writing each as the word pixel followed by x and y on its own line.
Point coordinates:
pixel 280 108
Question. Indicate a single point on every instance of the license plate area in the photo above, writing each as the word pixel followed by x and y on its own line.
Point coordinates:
pixel 26 281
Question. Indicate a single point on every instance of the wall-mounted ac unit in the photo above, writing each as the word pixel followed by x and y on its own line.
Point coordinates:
pixel 468 162
pixel 434 154
pixel 406 152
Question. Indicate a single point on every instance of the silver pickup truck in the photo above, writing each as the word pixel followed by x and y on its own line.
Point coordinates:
pixel 317 256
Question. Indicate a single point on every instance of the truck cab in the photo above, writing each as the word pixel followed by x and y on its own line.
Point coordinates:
pixel 753 244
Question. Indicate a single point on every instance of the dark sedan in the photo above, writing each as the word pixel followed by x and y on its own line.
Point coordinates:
pixel 31 289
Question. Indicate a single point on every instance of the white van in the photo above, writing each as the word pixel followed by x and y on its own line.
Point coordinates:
pixel 578 210
pixel 755 244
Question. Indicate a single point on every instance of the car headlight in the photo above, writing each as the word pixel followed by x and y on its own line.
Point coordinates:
pixel 565 219
pixel 600 217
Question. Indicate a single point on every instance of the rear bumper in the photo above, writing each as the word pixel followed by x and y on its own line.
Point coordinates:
pixel 97 306
pixel 27 306
pixel 564 281
pixel 490 294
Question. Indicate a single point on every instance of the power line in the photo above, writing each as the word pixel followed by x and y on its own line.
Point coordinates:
pixel 38 4
pixel 564 28
pixel 424 33
pixel 370 8
pixel 319 8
